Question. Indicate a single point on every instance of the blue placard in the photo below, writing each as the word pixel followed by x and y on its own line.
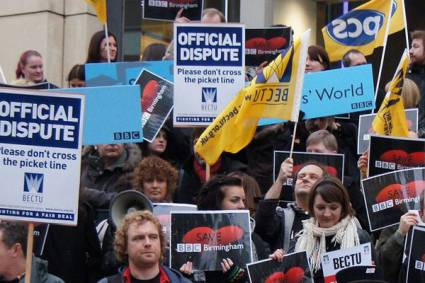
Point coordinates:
pixel 113 114
pixel 209 46
pixel 39 120
pixel 334 92
pixel 125 73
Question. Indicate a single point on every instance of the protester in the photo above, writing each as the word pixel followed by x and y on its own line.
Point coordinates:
pixel 107 168
pixel 226 193
pixel 77 76
pixel 140 242
pixel 353 57
pixel 317 59
pixel 30 69
pixel 154 52
pixel 332 225
pixel 13 246
pixel 279 226
pixel 417 73
pixel 251 188
pixel 391 244
pixel 98 52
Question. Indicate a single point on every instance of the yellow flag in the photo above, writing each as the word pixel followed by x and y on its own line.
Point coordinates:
pixel 100 7
pixel 273 93
pixel 391 118
pixel 397 16
pixel 363 28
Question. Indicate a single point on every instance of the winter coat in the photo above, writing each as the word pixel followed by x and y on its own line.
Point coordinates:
pixel 417 74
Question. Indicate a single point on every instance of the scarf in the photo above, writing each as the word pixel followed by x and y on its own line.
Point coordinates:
pixel 200 169
pixel 312 238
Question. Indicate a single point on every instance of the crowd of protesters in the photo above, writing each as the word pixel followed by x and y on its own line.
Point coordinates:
pixel 320 214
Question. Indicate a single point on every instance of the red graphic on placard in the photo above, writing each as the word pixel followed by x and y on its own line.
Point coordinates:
pixel 399 191
pixel 260 43
pixel 401 157
pixel 294 275
pixel 277 277
pixel 149 93
pixel 205 235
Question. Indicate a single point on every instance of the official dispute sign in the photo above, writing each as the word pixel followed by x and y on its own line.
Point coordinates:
pixel 209 64
pixel 294 268
pixel 40 148
pixel 388 196
pixel 207 237
pixel 389 153
pixel 334 261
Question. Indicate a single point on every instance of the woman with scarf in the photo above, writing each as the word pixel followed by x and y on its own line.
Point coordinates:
pixel 332 226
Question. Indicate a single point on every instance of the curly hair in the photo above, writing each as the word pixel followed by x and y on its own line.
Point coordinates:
pixel 121 235
pixel 153 167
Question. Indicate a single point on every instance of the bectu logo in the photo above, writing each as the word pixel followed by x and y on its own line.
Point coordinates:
pixel 356 28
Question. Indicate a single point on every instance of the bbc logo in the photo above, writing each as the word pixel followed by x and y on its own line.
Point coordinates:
pixel 126 135
pixel 189 248
pixel 382 205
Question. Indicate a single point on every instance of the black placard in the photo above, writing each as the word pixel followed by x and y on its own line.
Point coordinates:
pixel 166 10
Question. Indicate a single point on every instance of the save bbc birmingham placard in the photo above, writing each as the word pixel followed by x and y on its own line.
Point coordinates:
pixel 209 64
pixel 40 153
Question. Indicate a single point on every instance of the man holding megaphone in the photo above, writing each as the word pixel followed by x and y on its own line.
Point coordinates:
pixel 140 241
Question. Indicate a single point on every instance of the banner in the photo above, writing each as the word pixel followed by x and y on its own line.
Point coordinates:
pixel 207 237
pixel 416 259
pixel 339 91
pixel 388 196
pixel 40 148
pixel 113 114
pixel 333 163
pixel 363 28
pixel 166 10
pixel 209 69
pixel 274 93
pixel 332 262
pixel 391 119
pixel 125 73
pixel 388 154
pixel 365 128
pixel 157 102
pixel 265 44
pixel 293 268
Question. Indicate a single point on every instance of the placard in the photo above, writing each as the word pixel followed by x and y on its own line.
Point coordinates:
pixel 113 114
pixel 365 128
pixel 389 153
pixel 388 196
pixel 293 268
pixel 162 211
pixel 209 64
pixel 166 10
pixel 265 44
pixel 416 260
pixel 207 237
pixel 157 102
pixel 334 261
pixel 125 73
pixel 40 148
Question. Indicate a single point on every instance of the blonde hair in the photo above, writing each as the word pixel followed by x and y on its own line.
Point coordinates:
pixel 409 92
pixel 121 235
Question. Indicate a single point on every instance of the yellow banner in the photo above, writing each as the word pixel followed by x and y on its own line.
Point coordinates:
pixel 397 16
pixel 363 28
pixel 100 7
pixel 273 93
pixel 391 118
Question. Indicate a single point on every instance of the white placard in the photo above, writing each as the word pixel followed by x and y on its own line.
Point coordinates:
pixel 209 70
pixel 40 155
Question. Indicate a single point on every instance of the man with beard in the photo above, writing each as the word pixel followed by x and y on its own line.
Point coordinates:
pixel 140 241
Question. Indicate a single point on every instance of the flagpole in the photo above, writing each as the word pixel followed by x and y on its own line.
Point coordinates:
pixel 293 138
pixel 207 172
pixel 383 54
pixel 28 261
pixel 108 54
pixel 405 25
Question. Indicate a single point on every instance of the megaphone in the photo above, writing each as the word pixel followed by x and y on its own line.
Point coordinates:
pixel 126 202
